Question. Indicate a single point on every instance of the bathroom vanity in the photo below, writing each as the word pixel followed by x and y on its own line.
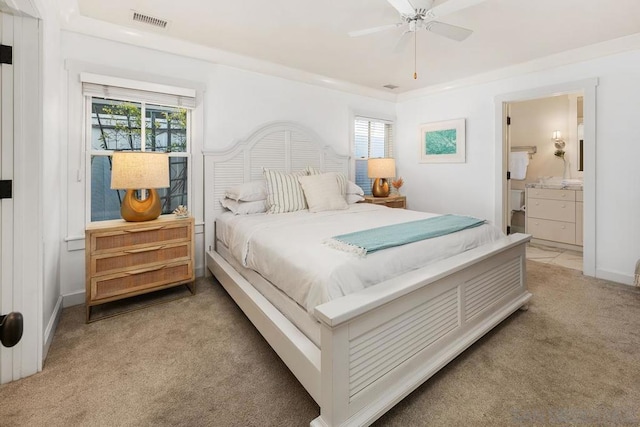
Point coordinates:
pixel 554 214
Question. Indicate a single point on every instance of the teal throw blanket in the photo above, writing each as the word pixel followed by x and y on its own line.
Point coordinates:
pixel 375 239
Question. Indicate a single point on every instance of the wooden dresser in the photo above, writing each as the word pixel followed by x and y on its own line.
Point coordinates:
pixel 124 259
pixel 390 202
pixel 554 215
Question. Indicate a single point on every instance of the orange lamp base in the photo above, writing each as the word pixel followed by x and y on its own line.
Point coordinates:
pixel 136 210
pixel 380 187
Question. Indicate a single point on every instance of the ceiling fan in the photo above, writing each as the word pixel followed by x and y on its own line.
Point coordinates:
pixel 421 15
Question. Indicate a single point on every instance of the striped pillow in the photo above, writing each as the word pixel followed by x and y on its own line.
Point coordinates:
pixel 284 193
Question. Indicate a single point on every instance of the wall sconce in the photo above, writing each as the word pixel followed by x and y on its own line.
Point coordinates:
pixel 557 137
pixel 140 170
pixel 380 170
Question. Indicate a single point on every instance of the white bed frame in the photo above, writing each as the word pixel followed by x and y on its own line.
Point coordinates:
pixel 380 344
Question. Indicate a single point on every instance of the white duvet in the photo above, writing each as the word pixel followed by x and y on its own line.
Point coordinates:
pixel 288 249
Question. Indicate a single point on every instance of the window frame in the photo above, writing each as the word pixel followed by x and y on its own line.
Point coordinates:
pixel 89 151
pixel 389 148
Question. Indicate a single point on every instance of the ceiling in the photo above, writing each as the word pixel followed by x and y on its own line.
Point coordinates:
pixel 312 35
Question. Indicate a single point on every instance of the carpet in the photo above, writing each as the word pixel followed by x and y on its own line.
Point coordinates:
pixel 572 359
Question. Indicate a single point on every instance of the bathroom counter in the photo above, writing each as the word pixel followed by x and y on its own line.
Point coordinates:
pixel 554 213
pixel 555 186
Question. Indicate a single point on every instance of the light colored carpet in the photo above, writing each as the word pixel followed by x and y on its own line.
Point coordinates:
pixel 572 359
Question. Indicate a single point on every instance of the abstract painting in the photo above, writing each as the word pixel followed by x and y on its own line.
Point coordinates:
pixel 443 142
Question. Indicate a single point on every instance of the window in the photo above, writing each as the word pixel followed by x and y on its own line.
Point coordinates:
pixel 132 120
pixel 372 138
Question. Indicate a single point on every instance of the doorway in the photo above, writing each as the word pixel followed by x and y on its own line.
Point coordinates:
pixel 539 137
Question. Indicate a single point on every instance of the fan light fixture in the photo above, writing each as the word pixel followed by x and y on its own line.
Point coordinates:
pixel 420 15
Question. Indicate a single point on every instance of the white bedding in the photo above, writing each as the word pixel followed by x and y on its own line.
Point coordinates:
pixel 287 249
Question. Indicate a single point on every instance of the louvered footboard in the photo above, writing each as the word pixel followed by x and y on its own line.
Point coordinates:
pixel 389 342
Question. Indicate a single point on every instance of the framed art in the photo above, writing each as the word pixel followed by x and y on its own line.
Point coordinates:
pixel 443 142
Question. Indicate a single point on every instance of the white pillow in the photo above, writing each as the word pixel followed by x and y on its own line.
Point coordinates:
pixel 353 198
pixel 322 192
pixel 284 193
pixel 352 188
pixel 248 191
pixel 244 208
pixel 342 179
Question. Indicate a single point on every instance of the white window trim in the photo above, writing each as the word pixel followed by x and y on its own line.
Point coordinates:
pixel 136 85
pixel 88 151
pixel 353 116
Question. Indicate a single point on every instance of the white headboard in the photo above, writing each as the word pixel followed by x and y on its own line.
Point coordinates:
pixel 283 146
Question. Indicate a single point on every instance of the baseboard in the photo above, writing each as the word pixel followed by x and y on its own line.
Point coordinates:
pixel 200 271
pixel 51 327
pixel 615 277
pixel 75 298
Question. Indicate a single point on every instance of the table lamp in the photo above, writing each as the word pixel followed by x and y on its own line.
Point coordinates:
pixel 140 170
pixel 381 169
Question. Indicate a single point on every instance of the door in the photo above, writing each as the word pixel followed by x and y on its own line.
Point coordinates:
pixel 6 208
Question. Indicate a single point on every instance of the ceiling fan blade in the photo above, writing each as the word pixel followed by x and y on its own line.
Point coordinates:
pixel 403 6
pixel 402 42
pixel 448 30
pixel 366 31
pixel 451 6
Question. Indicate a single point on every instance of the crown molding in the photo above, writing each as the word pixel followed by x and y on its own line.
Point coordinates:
pixel 71 20
pixel 586 53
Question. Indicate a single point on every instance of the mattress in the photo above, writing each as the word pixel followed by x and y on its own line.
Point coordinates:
pixel 288 250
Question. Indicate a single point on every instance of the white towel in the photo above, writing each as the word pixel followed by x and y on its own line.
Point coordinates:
pixel 518 162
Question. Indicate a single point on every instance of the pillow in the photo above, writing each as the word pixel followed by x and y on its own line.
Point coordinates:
pixel 353 198
pixel 312 171
pixel 284 193
pixel 352 188
pixel 342 179
pixel 248 191
pixel 244 208
pixel 322 192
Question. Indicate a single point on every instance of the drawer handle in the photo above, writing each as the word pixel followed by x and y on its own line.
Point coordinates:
pixel 145 270
pixel 140 230
pixel 149 249
pixel 563 195
pixel 563 206
pixel 537 204
pixel 563 227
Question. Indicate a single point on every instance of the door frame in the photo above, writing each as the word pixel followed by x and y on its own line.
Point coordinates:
pixel 588 88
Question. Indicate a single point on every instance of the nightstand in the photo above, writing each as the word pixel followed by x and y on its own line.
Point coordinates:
pixel 124 259
pixel 390 202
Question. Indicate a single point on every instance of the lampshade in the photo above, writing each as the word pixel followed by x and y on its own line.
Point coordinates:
pixel 557 135
pixel 139 170
pixel 381 168
pixel 143 171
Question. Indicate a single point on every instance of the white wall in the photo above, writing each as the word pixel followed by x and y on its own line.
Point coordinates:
pixel 233 104
pixel 470 187
pixel 52 151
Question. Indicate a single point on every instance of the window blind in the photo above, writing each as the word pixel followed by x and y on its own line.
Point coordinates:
pixel 372 138
pixel 134 91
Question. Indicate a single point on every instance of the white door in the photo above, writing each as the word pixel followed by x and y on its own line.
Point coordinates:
pixel 6 204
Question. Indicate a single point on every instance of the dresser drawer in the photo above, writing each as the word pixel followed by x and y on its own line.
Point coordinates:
pixel 557 210
pixel 140 236
pixel 557 231
pixel 140 257
pixel 545 193
pixel 138 280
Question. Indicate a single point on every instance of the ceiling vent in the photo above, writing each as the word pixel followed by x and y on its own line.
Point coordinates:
pixel 150 20
pixel 390 86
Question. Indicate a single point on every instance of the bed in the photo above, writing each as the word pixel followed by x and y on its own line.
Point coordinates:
pixel 359 354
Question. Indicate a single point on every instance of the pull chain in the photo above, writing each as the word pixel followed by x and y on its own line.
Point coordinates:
pixel 415 55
